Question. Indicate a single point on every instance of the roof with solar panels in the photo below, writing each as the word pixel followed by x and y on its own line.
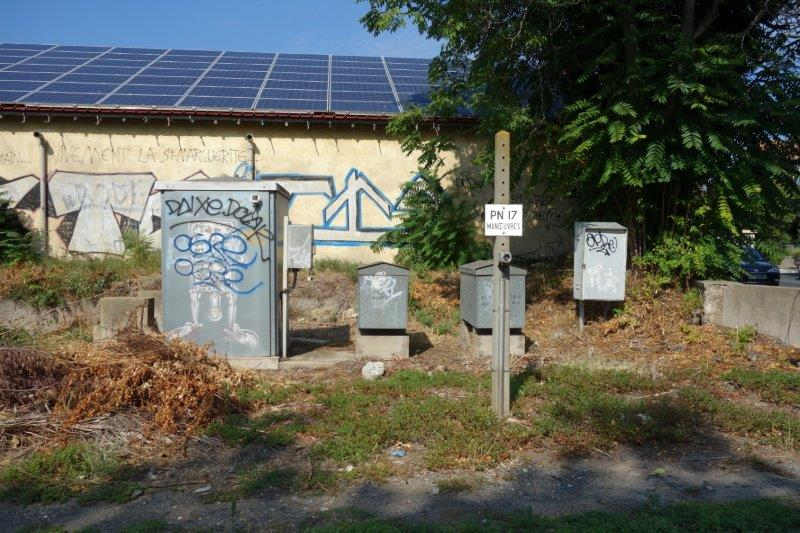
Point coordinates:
pixel 40 77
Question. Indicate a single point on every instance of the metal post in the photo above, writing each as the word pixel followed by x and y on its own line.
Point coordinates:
pixel 43 195
pixel 501 334
pixel 580 317
pixel 285 292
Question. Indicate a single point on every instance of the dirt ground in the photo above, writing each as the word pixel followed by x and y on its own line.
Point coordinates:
pixel 652 335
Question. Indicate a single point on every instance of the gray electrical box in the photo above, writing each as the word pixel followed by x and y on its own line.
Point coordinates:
pixel 382 296
pixel 477 299
pixel 601 250
pixel 222 263
pixel 299 245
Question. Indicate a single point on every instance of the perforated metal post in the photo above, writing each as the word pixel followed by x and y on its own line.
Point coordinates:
pixel 285 292
pixel 501 334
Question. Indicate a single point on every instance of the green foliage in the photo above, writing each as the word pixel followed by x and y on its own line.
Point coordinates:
pixel 651 113
pixel 140 252
pixel 776 386
pixel 739 516
pixel 56 475
pixel 742 337
pixel 692 300
pixel 53 282
pixel 438 229
pixel 17 243
pixel 684 256
pixel 10 336
pixel 349 268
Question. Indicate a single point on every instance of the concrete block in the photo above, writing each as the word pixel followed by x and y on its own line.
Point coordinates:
pixel 479 341
pixel 155 294
pixel 254 363
pixel 382 346
pixel 119 313
pixel 713 295
pixel 773 311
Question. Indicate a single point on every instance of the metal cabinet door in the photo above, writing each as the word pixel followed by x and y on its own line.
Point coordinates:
pixel 216 266
pixel 604 261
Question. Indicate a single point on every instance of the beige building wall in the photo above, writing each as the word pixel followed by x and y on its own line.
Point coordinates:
pixel 345 180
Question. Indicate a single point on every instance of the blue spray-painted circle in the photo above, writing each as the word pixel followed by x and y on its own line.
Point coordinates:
pixel 182 242
pixel 184 267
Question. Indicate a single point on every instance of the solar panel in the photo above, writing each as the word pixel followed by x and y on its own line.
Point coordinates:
pixel 216 101
pixel 292 105
pixel 19 85
pixel 229 82
pixel 62 98
pixel 250 92
pixel 141 100
pixel 10 96
pixel 207 78
pixel 177 90
pixel 27 76
pixel 163 80
pixel 378 107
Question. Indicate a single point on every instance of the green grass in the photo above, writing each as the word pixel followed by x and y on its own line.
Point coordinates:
pixel 60 474
pixel 273 430
pixel 454 485
pixel 54 282
pixel 584 409
pixel 742 516
pixel 776 428
pixel 742 337
pixel 348 268
pixel 442 322
pixel 10 336
pixel 775 386
pixel 362 419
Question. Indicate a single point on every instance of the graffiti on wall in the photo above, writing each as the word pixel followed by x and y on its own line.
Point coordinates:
pixel 353 214
pixel 215 257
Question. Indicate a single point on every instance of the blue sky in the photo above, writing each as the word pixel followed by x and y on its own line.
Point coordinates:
pixel 290 26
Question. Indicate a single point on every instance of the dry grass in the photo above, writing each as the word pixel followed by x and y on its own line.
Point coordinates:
pixel 170 386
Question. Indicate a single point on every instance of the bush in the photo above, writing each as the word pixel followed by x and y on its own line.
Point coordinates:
pixel 683 257
pixel 140 251
pixel 17 243
pixel 438 230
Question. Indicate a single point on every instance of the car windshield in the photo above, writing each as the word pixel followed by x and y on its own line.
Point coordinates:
pixel 751 255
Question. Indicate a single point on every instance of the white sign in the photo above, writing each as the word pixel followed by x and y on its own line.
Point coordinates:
pixel 503 220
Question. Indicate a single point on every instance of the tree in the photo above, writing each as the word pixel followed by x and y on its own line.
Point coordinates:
pixel 677 118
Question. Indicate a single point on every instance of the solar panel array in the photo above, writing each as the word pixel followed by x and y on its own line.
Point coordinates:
pixel 143 77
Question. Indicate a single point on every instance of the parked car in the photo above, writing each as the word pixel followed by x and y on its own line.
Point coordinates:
pixel 757 269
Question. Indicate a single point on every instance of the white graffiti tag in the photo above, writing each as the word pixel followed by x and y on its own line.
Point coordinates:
pixel 383 286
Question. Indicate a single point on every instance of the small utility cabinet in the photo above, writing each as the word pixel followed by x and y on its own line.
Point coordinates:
pixel 600 260
pixel 382 311
pixel 477 307
pixel 222 266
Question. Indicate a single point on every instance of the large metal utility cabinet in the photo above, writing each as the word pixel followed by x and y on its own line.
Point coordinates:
pixel 477 301
pixel 601 250
pixel 222 265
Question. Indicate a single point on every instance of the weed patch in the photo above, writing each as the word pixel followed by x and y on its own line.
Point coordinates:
pixel 57 475
pixel 271 430
pixel 454 485
pixel 776 428
pixel 348 268
pixel 752 515
pixel 775 386
pixel 53 282
pixel 362 419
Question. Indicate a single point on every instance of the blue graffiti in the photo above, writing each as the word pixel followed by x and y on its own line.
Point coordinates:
pixel 216 260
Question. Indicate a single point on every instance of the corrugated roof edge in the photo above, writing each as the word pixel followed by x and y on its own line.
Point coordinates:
pixel 208 113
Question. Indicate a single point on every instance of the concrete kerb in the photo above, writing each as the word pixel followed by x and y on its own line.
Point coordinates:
pixel 773 311
pixel 118 313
